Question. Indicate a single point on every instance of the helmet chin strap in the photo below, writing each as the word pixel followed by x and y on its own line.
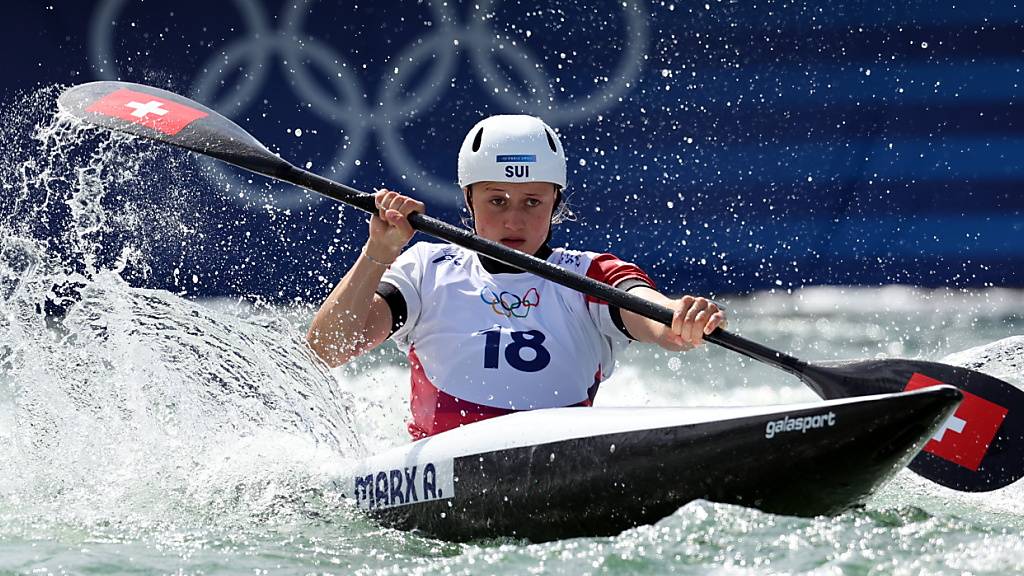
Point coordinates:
pixel 468 197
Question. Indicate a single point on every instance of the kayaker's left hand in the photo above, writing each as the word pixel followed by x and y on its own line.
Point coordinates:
pixel 692 319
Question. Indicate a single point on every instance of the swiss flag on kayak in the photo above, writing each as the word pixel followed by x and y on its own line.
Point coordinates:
pixel 157 113
pixel 965 437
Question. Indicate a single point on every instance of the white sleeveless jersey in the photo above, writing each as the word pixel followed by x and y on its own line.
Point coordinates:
pixel 506 340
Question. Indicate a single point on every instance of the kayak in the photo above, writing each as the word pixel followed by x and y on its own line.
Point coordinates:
pixel 567 472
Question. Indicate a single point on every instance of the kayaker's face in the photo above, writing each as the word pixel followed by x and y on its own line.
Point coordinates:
pixel 517 215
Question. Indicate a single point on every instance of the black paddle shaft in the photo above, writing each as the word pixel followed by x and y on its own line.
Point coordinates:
pixel 543 268
pixel 210 133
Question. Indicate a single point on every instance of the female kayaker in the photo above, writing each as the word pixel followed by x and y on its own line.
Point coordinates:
pixel 484 339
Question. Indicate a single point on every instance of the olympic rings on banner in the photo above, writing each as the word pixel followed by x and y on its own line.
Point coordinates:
pixel 508 304
pixel 342 102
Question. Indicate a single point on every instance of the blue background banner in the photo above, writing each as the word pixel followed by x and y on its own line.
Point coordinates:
pixel 724 146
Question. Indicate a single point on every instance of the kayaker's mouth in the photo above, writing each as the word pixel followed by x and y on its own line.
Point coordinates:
pixel 513 242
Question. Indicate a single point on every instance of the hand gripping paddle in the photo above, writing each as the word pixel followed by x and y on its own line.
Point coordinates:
pixel 977 450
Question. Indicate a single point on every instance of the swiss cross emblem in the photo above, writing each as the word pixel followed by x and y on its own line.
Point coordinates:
pixel 965 436
pixel 153 112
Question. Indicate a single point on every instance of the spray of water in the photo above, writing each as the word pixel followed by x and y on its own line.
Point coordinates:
pixel 121 404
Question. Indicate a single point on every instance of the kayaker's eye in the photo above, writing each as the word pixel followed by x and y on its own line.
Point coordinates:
pixel 533 202
pixel 498 201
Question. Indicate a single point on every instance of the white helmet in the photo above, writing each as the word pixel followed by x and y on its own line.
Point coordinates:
pixel 511 148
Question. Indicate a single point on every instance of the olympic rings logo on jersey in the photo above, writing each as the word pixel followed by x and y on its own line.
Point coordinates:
pixel 508 304
pixel 234 78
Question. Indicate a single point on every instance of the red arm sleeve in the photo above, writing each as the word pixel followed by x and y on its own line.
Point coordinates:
pixel 610 270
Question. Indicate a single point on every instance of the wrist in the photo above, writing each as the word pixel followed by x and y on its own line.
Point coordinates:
pixel 380 255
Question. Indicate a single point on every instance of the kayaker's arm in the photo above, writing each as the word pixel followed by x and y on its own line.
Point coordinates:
pixel 694 317
pixel 354 318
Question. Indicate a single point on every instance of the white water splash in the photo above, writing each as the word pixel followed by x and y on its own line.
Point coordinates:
pixel 121 403
pixel 1003 359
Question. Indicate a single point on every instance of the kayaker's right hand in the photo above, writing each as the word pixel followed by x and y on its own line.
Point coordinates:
pixel 390 230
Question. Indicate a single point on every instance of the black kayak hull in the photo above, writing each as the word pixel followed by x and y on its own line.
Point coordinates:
pixel 804 460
